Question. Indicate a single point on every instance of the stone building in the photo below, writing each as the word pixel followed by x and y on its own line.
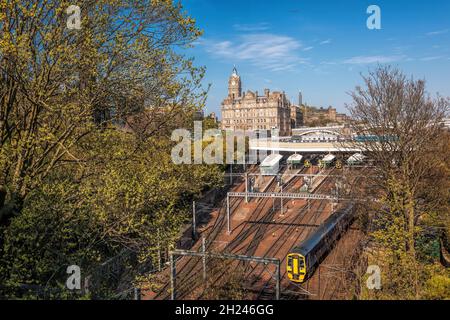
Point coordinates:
pixel 322 116
pixel 296 117
pixel 249 111
pixel 213 116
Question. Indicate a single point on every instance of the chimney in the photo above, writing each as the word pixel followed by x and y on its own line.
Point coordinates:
pixel 266 92
pixel 300 99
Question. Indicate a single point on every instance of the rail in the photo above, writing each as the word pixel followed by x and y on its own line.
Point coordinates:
pixel 228 256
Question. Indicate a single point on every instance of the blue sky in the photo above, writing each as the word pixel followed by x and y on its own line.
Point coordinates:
pixel 318 47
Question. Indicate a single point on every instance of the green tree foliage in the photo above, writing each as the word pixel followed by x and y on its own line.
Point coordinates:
pixel 86 175
pixel 410 178
pixel 438 287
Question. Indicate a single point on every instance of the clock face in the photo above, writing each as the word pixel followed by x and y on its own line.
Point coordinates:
pixel 233 83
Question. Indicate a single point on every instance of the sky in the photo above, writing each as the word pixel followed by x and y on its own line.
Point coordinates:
pixel 320 47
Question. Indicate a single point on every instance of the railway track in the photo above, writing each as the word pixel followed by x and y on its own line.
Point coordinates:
pixel 278 245
pixel 232 246
pixel 259 229
pixel 263 226
pixel 329 281
pixel 281 242
pixel 275 248
pixel 185 273
pixel 185 267
pixel 247 241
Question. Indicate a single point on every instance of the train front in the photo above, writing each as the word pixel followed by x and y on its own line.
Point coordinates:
pixel 296 267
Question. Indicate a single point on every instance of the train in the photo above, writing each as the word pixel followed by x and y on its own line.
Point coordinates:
pixel 374 138
pixel 303 260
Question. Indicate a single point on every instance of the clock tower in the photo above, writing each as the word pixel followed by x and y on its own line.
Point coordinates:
pixel 234 85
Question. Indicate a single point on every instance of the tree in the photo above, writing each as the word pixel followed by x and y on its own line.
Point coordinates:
pixel 85 123
pixel 57 85
pixel 399 126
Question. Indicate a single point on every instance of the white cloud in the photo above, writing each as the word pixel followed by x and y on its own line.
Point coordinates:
pixel 262 26
pixel 328 41
pixel 308 48
pixel 373 59
pixel 266 51
pixel 431 58
pixel 330 63
pixel 438 32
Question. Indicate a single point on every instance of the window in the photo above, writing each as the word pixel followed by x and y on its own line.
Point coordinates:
pixel 301 263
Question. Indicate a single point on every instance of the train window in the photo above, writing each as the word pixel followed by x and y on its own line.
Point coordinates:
pixel 301 263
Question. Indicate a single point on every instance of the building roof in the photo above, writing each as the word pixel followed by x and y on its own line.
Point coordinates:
pixel 271 160
pixel 295 158
pixel 356 157
pixel 329 158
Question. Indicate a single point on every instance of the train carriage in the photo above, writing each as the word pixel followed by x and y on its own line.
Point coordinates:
pixel 303 260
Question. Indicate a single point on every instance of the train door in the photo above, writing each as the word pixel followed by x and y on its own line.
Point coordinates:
pixel 295 267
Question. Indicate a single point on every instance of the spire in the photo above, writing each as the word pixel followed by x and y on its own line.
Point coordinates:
pixel 235 73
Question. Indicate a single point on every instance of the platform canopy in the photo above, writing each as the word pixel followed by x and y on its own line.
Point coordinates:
pixel 356 158
pixel 295 159
pixel 329 158
pixel 271 160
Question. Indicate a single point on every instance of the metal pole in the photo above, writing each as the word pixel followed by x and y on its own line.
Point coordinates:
pixel 246 187
pixel 281 199
pixel 204 258
pixel 173 275
pixel 273 204
pixel 137 294
pixel 278 281
pixel 194 227
pixel 159 250
pixel 231 174
pixel 319 281
pixel 337 193
pixel 228 214
pixel 86 284
pixel 159 259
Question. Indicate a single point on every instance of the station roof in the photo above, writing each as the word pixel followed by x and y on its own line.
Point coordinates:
pixel 295 158
pixel 302 147
pixel 329 157
pixel 356 157
pixel 271 160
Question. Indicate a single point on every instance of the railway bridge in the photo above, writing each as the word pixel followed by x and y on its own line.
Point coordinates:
pixel 334 130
